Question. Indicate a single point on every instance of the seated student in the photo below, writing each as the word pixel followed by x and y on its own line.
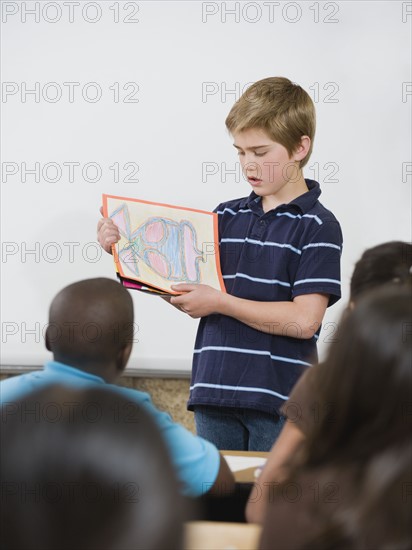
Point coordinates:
pixel 90 334
pixel 349 486
pixel 86 469
pixel 384 263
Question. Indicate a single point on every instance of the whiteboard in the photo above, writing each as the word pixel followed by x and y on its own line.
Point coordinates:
pixel 130 98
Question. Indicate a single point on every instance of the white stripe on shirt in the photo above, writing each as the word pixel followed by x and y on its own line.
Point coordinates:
pixel 238 388
pixel 334 281
pixel 289 215
pixel 323 245
pixel 257 279
pixel 266 243
pixel 252 352
pixel 233 212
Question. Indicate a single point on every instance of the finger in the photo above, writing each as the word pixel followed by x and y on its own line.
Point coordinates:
pixel 175 306
pixel 111 239
pixel 100 223
pixel 178 302
pixel 183 287
pixel 107 228
pixel 107 238
pixel 109 223
pixel 111 231
pixel 101 210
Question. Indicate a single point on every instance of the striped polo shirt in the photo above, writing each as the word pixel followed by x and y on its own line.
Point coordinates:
pixel 291 250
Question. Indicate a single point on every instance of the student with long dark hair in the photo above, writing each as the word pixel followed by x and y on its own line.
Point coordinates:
pixel 349 486
pixel 387 263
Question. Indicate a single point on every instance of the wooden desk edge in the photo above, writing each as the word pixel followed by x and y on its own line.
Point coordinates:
pixel 212 535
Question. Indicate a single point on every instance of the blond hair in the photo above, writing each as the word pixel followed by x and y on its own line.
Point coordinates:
pixel 279 107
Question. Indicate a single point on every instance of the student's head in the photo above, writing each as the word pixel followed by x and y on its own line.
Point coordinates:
pixel 280 110
pixel 85 469
pixel 91 327
pixel 364 386
pixel 389 262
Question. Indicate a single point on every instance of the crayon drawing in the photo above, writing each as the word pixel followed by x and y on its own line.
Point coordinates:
pixel 162 245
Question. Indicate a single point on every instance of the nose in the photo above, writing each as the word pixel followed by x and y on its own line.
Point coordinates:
pixel 250 167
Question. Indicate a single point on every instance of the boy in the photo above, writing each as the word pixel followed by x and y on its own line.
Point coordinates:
pixel 280 257
pixel 90 334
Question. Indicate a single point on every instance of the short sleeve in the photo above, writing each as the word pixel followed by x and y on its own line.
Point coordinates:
pixel 196 460
pixel 319 266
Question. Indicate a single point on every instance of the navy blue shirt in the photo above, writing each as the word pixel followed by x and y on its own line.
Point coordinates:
pixel 291 250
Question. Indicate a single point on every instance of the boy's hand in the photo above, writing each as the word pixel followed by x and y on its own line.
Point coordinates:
pixel 198 300
pixel 107 233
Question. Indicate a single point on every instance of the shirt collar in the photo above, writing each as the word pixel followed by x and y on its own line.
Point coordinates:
pixel 66 370
pixel 303 203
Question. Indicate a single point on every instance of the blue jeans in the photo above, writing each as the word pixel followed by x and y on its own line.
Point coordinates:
pixel 238 429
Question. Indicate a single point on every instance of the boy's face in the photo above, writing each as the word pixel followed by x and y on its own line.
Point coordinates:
pixel 266 164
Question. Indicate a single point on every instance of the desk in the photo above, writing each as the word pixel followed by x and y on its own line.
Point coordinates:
pixel 231 508
pixel 247 475
pixel 211 535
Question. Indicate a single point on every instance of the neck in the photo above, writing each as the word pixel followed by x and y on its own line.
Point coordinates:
pixel 290 191
pixel 107 371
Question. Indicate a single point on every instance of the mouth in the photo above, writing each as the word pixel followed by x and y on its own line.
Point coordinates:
pixel 254 181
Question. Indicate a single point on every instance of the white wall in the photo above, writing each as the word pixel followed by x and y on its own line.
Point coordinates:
pixel 187 62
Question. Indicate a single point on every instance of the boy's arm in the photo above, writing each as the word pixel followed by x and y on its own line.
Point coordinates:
pixel 300 318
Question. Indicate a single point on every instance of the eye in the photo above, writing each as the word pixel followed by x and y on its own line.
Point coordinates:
pixel 240 153
pixel 260 154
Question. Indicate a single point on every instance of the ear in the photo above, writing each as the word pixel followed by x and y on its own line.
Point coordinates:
pixel 123 357
pixel 302 149
pixel 47 339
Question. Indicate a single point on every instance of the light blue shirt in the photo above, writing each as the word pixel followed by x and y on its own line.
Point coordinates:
pixel 196 460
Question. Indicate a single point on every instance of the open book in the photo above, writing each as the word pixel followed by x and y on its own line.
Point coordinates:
pixel 162 245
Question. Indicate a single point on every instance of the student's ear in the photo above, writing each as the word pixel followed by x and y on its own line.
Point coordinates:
pixel 47 339
pixel 123 357
pixel 302 149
